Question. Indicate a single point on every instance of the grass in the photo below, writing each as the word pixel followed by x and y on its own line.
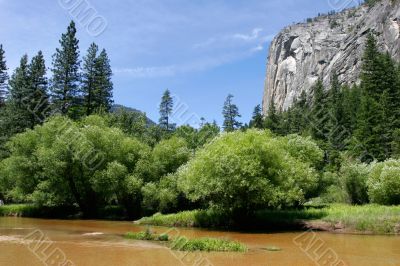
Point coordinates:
pixel 147 235
pixel 370 218
pixel 184 244
pixel 207 244
pixel 25 210
pixel 367 218
pixel 30 210
pixel 196 218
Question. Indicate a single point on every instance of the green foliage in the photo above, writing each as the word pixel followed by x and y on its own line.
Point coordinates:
pixel 319 116
pixel 207 244
pixel 65 163
pixel 366 218
pixel 144 235
pixel 247 171
pixel 163 196
pixel 147 235
pixel 354 179
pixel 3 77
pixel 197 218
pixel 257 120
pixel 166 108
pixel 304 149
pixel 169 155
pixel 197 138
pixel 272 119
pixel 66 76
pixel 230 112
pixel 384 183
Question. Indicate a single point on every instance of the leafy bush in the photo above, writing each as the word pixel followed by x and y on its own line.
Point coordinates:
pixel 170 154
pixel 384 183
pixel 354 180
pixel 162 196
pixel 64 163
pixel 245 171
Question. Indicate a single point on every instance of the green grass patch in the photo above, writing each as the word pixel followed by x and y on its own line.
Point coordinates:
pixel 367 218
pixel 147 235
pixel 370 218
pixel 196 218
pixel 24 210
pixel 184 244
pixel 207 244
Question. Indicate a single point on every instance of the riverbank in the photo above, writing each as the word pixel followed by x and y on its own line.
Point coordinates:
pixel 340 218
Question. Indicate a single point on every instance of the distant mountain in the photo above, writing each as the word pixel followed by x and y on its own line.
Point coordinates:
pixel 118 107
pixel 303 53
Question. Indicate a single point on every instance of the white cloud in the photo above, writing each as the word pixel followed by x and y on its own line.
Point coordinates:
pixel 253 36
pixel 196 65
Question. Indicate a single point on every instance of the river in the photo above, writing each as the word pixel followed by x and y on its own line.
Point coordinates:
pixel 25 241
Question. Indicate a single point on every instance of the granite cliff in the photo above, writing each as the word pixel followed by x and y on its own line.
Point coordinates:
pixel 302 53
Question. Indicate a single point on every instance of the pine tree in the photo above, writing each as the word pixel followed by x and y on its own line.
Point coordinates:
pixel 89 77
pixel 166 108
pixel 19 91
pixel 66 77
pixel 3 78
pixel 38 98
pixel 230 112
pixel 103 93
pixel 336 115
pixel 319 117
pixel 372 69
pixel 272 121
pixel 351 105
pixel 257 120
pixel 372 135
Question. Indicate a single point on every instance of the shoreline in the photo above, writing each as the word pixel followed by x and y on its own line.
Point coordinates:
pixel 336 218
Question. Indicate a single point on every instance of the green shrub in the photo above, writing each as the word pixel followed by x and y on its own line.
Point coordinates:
pixel 207 244
pixel 354 180
pixel 63 163
pixel 245 171
pixel 144 235
pixel 162 196
pixel 384 183
pixel 163 237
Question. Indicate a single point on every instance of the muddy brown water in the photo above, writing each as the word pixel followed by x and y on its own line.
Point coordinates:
pixel 25 241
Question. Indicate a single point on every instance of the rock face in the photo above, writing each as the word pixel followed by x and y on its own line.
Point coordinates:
pixel 302 53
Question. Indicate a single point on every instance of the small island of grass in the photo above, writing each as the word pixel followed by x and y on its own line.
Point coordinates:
pixel 185 244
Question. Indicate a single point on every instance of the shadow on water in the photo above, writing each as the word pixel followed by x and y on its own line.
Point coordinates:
pixel 267 221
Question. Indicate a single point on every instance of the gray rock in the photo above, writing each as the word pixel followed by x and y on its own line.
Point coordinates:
pixel 302 53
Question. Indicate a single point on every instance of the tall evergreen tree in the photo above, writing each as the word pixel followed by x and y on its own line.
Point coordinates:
pixel 89 78
pixel 103 85
pixel 19 89
pixel 66 76
pixel 3 78
pixel 166 108
pixel 371 136
pixel 300 114
pixel 319 117
pixel 272 121
pixel 230 112
pixel 335 123
pixel 257 120
pixel 38 99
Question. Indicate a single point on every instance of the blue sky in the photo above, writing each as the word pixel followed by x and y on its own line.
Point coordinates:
pixel 200 50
